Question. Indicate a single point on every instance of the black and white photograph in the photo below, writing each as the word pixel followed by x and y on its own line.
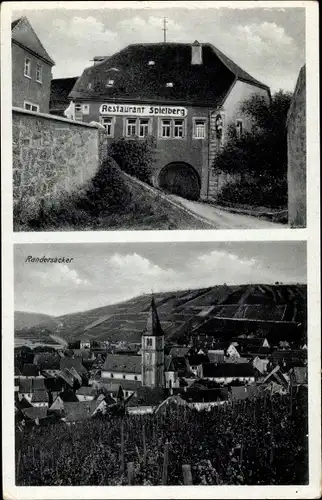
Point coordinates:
pixel 161 364
pixel 151 118
pixel 161 301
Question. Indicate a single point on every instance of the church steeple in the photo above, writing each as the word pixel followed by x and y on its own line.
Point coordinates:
pixel 153 350
pixel 153 326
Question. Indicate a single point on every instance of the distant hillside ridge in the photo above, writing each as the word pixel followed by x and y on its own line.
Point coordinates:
pixel 220 311
pixel 24 319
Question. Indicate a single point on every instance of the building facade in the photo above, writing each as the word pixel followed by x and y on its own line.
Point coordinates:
pixel 185 96
pixel 31 68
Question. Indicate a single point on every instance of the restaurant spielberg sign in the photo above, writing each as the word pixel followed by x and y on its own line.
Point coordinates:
pixel 147 110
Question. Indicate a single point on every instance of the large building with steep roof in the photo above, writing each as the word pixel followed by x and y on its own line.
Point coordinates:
pixel 183 95
pixel 31 68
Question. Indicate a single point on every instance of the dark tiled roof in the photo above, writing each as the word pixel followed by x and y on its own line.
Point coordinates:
pixel 47 361
pixel 135 80
pixel 179 351
pixel 25 385
pixel 38 384
pixel 85 391
pixel 30 370
pixel 244 392
pixel 228 370
pixel 14 23
pixel 40 397
pixel 68 397
pixel 23 33
pixel 35 412
pixel 198 359
pixel 147 396
pixel 194 395
pixel 76 363
pixel 299 374
pixel 122 363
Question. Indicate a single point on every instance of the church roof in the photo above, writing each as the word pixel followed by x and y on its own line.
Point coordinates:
pixel 122 363
pixel 153 327
pixel 23 34
pixel 140 73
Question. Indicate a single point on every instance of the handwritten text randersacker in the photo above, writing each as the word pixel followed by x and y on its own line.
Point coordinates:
pixel 49 260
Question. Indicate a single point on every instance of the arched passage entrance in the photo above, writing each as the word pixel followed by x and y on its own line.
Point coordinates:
pixel 181 179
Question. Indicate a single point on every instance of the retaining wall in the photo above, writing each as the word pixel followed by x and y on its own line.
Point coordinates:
pixel 51 156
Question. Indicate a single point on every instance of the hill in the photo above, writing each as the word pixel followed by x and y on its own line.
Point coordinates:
pixel 272 311
pixel 28 319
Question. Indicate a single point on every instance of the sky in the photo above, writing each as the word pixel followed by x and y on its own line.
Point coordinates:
pixel 269 43
pixel 102 274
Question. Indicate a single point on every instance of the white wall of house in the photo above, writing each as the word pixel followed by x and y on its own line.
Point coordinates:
pixel 171 379
pixel 26 395
pixel 83 397
pixel 232 351
pixel 240 92
pixel 121 376
pixel 58 404
pixel 140 410
pixel 227 380
pixel 40 404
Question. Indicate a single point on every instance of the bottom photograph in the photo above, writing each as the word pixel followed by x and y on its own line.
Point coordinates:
pixel 161 364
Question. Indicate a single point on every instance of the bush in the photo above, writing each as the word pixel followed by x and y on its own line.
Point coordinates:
pixel 134 156
pixel 107 192
pixel 259 192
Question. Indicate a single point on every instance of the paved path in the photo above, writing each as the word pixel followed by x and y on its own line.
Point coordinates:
pixel 224 219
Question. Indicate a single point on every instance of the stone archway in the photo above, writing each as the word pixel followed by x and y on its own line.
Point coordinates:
pixel 181 179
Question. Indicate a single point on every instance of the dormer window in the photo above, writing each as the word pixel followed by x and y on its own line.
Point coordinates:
pixel 151 63
pixel 110 83
pixel 169 84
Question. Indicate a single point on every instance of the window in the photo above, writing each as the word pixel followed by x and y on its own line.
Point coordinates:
pixel 199 129
pixel 165 128
pixel 124 376
pixel 78 116
pixel 135 377
pixel 109 83
pixel 131 127
pixel 169 84
pixel 149 342
pixel 239 128
pixel 108 123
pixel 144 127
pixel 27 70
pixel 85 110
pixel 112 376
pixel 178 129
pixel 39 73
pixel 151 63
pixel 31 107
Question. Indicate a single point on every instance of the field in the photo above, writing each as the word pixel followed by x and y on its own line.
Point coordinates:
pixel 254 442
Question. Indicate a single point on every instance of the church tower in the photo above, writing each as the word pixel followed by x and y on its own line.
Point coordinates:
pixel 153 350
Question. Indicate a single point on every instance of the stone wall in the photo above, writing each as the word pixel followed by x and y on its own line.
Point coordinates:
pixel 51 156
pixel 296 152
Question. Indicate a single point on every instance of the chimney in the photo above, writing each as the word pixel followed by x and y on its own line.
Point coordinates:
pixel 196 53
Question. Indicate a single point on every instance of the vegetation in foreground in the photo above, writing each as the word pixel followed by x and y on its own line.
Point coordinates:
pixel 256 442
pixel 257 160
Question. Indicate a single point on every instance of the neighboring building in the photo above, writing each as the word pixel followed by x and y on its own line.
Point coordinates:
pixel 296 154
pixel 183 95
pixel 121 367
pixel 227 372
pixel 31 68
pixel 59 91
pixel 85 393
pixel 76 412
pixel 153 350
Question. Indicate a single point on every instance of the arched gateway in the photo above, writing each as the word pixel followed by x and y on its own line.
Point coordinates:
pixel 180 178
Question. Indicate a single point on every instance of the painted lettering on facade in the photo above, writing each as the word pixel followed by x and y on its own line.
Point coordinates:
pixel 126 109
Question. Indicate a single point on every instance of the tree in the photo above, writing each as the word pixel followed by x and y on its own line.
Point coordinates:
pixel 259 156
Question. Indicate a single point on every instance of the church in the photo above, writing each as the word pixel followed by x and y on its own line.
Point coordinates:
pixel 150 369
pixel 185 96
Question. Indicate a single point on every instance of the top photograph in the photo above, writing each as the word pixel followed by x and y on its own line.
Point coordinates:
pixel 148 118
